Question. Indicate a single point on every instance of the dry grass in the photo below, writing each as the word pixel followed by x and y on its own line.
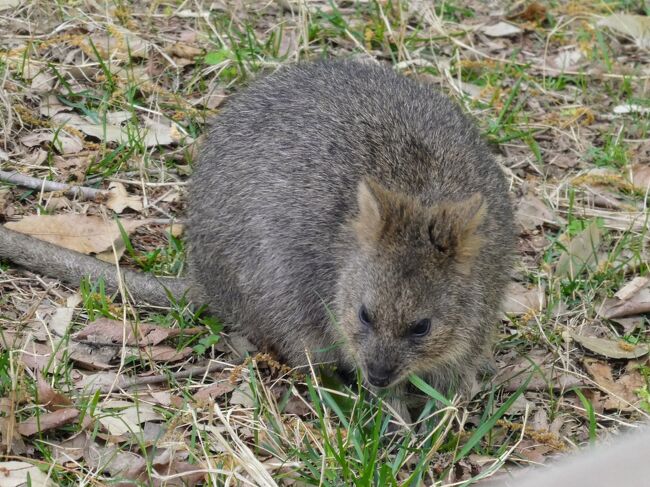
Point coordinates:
pixel 94 94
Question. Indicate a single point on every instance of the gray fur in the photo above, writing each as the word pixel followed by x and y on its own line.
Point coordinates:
pixel 274 197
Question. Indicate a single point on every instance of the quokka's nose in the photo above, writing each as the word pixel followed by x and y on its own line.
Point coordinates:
pixel 380 375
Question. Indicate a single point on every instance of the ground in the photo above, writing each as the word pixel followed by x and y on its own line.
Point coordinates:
pixel 96 389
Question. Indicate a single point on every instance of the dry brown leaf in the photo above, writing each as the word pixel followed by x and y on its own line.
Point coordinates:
pixel 49 398
pixel 635 26
pixel 544 375
pixel 43 82
pixel 567 59
pixel 630 324
pixel 100 381
pixel 71 167
pixel 38 356
pixel 621 393
pixel 21 474
pixel 85 234
pixel 119 199
pixel 533 213
pixel 107 331
pixel 533 12
pixel 242 396
pixel 580 253
pixel 520 300
pixel 631 108
pixel 617 349
pixel 163 353
pixel 632 288
pixel 298 406
pixel 69 450
pixel 175 229
pixel 123 417
pixel 91 357
pixel 47 421
pixel 7 4
pixel 501 29
pixel 50 106
pixel 160 132
pixel 153 131
pixel 632 299
pixel 122 44
pixel 641 176
pixel 183 50
pixel 214 391
pixel 63 142
pixel 109 458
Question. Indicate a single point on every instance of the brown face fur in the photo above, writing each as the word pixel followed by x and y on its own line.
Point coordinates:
pixel 412 264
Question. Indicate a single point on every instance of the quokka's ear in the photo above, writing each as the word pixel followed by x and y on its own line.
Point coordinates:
pixel 372 199
pixel 453 229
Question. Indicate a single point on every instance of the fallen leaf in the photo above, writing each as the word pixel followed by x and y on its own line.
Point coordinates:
pixel 119 420
pixel 541 376
pixel 533 450
pixel 632 299
pixel 580 253
pixel 38 356
pixel 47 421
pixel 520 300
pixel 630 324
pixel 123 44
pixel 43 82
pixel 71 167
pixel 49 398
pixel 242 396
pixel 22 474
pixel 63 142
pixel 533 213
pixel 50 106
pixel 635 26
pixel 160 132
pixel 567 59
pixel 183 50
pixel 62 316
pixel 85 234
pixel 163 353
pixel 214 391
pixel 298 406
pixel 119 199
pixel 109 458
pixel 631 108
pixel 92 357
pixel 534 12
pixel 621 393
pixel 152 132
pixel 501 29
pixel 175 229
pixel 641 176
pixel 69 450
pixel 7 4
pixel 632 288
pixel 617 349
pixel 102 381
pixel 107 331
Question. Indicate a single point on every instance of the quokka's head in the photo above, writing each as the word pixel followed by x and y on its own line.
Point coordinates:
pixel 403 303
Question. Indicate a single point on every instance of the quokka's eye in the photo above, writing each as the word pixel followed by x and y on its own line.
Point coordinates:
pixel 364 317
pixel 421 328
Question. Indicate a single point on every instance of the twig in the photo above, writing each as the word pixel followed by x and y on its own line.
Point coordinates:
pixel 14 177
pixel 127 383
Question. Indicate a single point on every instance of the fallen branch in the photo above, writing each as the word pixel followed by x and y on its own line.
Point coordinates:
pixel 124 383
pixel 14 177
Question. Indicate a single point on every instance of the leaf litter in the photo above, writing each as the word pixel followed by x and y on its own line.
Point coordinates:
pixel 60 133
